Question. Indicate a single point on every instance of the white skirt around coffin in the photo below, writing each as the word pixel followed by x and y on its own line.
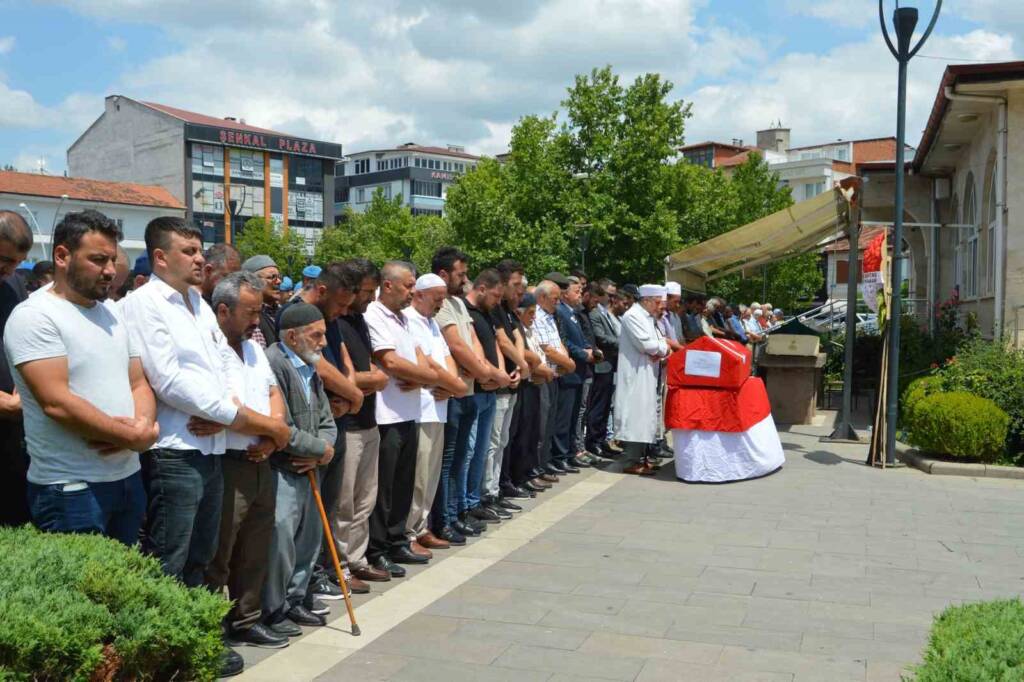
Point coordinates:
pixel 720 457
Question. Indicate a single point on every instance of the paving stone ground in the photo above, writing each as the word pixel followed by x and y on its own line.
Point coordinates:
pixel 828 570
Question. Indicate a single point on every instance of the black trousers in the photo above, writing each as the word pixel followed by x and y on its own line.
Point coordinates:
pixel 567 407
pixel 549 413
pixel 511 453
pixel 13 470
pixel 599 409
pixel 396 480
pixel 525 442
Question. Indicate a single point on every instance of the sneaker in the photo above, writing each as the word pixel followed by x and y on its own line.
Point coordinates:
pixel 316 606
pixel 509 506
pixel 258 635
pixel 501 512
pixel 324 588
pixel 482 513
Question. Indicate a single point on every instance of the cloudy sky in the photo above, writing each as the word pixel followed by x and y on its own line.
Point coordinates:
pixel 368 73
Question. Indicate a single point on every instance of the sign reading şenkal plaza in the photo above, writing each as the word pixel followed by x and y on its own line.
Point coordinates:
pixel 265 141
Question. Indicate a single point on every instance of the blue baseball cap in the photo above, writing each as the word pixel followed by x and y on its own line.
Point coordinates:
pixel 142 266
pixel 311 271
pixel 297 287
pixel 26 265
pixel 286 284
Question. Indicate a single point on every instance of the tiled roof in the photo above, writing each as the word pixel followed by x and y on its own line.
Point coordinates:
pixel 865 237
pixel 203 119
pixel 82 189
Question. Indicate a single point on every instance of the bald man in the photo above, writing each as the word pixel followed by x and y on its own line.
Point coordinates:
pixel 15 243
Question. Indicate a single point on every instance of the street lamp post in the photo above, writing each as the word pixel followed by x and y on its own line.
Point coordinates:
pixel 32 216
pixel 904 20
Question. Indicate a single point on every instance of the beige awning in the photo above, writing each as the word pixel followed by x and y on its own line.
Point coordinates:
pixel 802 227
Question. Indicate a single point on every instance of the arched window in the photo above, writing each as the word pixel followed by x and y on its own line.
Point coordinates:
pixel 969 239
pixel 991 236
pixel 954 242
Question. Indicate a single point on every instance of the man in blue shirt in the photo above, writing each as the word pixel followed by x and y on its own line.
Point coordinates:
pixel 735 325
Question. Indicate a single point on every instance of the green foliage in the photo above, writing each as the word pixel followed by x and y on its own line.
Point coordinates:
pixel 983 641
pixel 386 231
pixel 991 370
pixel 919 388
pixel 72 603
pixel 960 425
pixel 258 237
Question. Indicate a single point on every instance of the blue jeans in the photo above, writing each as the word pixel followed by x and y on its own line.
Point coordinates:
pixel 112 508
pixel 476 449
pixel 186 493
pixel 449 500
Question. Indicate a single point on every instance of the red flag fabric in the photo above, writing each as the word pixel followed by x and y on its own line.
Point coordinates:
pixel 716 409
pixel 710 362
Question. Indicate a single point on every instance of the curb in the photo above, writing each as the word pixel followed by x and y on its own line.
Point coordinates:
pixel 912 457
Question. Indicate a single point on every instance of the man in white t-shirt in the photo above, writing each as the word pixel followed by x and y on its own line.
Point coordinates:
pixel 427 299
pixel 398 407
pixel 247 513
pixel 88 408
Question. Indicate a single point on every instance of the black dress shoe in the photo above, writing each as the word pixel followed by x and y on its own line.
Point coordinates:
pixel 259 635
pixel 482 513
pixel 404 555
pixel 300 615
pixel 533 488
pixel 568 467
pixel 465 529
pixel 285 627
pixel 231 663
pixel 577 462
pixel 476 524
pixel 556 468
pixel 510 506
pixel 386 564
pixel 451 535
pixel 502 513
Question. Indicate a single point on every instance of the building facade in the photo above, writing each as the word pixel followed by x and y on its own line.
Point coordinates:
pixel 44 199
pixel 223 170
pixel 419 174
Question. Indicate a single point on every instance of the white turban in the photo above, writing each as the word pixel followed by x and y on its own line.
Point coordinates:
pixel 429 281
pixel 652 291
pixel 673 289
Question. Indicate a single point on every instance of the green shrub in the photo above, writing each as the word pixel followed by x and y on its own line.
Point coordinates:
pixel 983 641
pixel 919 388
pixel 72 603
pixel 959 424
pixel 991 370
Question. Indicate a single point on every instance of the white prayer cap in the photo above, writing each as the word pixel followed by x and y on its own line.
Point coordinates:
pixel 652 290
pixel 758 313
pixel 429 281
pixel 673 289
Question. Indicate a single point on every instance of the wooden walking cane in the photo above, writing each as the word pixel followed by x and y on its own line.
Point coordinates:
pixel 334 552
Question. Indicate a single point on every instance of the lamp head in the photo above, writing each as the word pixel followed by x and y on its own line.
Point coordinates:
pixel 904 19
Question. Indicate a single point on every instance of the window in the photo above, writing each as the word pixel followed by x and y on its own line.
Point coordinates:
pixel 341 195
pixel 813 189
pixel 361 166
pixel 305 174
pixel 361 195
pixel 207 159
pixel 248 201
pixel 807 156
pixel 992 235
pixel 969 240
pixel 308 206
pixel 842 153
pixel 339 170
pixel 207 196
pixel 843 272
pixel 426 189
pixel 246 163
pixel 426 211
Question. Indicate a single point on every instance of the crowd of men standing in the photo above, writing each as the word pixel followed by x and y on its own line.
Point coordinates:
pixel 187 414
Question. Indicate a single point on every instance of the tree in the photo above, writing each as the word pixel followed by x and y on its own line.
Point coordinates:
pixel 258 237
pixel 386 231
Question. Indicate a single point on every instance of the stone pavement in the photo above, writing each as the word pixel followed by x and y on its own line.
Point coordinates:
pixel 827 570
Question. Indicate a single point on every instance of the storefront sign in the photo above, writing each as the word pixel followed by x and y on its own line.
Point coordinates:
pixel 268 142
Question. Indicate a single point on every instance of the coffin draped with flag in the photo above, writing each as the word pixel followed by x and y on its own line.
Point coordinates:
pixel 721 421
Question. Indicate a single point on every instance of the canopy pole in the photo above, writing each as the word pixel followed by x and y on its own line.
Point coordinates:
pixel 844 431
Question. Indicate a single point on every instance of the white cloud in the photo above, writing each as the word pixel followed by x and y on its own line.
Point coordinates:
pixel 849 13
pixel 6 44
pixel 848 92
pixel 116 43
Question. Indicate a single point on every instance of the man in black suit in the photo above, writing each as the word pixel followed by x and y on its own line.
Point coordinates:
pixel 606 334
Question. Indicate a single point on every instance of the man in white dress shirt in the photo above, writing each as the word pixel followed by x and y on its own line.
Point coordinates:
pixel 181 348
pixel 427 299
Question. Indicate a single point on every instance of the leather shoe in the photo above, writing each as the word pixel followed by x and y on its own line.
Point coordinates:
pixel 420 550
pixel 285 627
pixel 516 493
pixel 404 555
pixel 300 615
pixel 476 524
pixel 555 468
pixel 569 467
pixel 386 564
pixel 549 478
pixel 451 536
pixel 510 506
pixel 431 541
pixel 315 606
pixel 502 513
pixel 356 586
pixel 578 463
pixel 482 513
pixel 464 529
pixel 258 635
pixel 231 663
pixel 614 446
pixel 535 487
pixel 639 469
pixel 371 574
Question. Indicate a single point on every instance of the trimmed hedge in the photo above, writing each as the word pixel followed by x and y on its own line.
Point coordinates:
pixel 960 425
pixel 919 388
pixel 983 641
pixel 81 607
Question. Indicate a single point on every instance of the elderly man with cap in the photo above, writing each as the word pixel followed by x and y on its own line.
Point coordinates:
pixel 428 296
pixel 641 350
pixel 141 271
pixel 295 542
pixel 284 292
pixel 310 273
pixel 266 269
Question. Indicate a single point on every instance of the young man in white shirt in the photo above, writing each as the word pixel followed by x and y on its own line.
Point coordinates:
pixel 88 409
pixel 427 299
pixel 182 354
pixel 247 514
pixel 398 354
